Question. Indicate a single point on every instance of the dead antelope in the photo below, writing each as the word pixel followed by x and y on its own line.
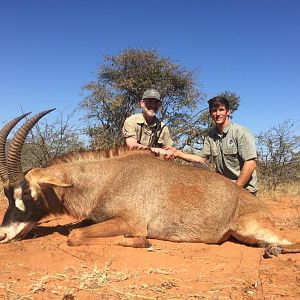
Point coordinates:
pixel 131 194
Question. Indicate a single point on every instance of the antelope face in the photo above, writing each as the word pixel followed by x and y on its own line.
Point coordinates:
pixel 24 210
pixel 24 207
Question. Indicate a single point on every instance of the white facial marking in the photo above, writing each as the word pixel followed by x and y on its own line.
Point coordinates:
pixel 18 193
pixel 20 204
pixel 33 193
pixel 14 229
pixel 18 199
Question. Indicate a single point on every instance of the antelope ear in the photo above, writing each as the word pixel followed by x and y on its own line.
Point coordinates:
pixel 53 180
pixel 42 176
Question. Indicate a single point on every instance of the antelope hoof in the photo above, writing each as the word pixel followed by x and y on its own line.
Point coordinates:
pixel 2 237
pixel 135 242
pixel 75 238
pixel 271 251
pixel 141 242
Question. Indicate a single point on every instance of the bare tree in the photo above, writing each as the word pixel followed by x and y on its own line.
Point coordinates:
pixel 50 139
pixel 278 154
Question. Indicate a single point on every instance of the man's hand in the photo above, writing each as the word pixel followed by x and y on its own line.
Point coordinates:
pixel 164 152
pixel 175 152
pixel 186 156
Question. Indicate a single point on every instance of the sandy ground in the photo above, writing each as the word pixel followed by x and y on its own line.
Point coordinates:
pixel 43 266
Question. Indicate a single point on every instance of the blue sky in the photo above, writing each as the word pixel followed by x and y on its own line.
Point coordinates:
pixel 50 49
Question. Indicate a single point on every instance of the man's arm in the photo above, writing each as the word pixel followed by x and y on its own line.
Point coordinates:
pixel 129 133
pixel 166 137
pixel 132 143
pixel 246 172
pixel 190 157
pixel 186 156
pixel 202 158
pixel 247 151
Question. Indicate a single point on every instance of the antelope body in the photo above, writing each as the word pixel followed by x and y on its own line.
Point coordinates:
pixel 134 195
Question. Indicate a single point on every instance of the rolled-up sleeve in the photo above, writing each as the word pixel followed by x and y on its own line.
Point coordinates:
pixel 205 152
pixel 247 147
pixel 165 138
pixel 129 128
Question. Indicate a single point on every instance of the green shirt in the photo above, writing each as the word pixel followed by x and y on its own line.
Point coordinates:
pixel 230 150
pixel 136 126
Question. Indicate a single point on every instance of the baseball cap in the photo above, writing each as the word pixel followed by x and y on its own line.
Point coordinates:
pixel 151 94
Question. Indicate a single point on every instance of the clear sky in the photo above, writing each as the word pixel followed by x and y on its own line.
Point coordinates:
pixel 50 48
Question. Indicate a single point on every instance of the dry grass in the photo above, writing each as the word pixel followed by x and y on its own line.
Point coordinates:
pixel 65 284
pixel 96 283
pixel 155 283
pixel 291 192
pixel 283 190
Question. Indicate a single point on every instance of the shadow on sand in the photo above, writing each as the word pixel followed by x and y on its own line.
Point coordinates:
pixel 42 230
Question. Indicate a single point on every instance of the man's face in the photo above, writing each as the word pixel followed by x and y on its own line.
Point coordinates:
pixel 150 106
pixel 220 115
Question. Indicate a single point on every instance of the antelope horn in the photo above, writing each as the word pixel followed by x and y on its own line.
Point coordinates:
pixel 14 166
pixel 3 137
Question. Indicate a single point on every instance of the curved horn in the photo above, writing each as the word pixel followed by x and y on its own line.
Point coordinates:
pixel 3 137
pixel 14 166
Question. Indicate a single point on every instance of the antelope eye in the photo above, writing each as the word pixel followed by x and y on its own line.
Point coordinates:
pixel 25 193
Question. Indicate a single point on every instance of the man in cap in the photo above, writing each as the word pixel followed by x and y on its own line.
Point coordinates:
pixel 145 130
pixel 231 146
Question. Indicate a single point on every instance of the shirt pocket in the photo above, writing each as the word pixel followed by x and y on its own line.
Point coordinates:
pixel 231 157
pixel 232 150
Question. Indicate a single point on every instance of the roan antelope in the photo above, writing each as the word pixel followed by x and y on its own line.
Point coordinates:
pixel 131 194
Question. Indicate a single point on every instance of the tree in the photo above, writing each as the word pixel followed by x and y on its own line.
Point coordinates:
pixel 278 154
pixel 121 81
pixel 48 140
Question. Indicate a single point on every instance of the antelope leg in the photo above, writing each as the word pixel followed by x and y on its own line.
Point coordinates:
pixel 274 250
pixel 133 236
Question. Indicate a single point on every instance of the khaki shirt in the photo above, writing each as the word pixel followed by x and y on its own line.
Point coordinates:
pixel 230 150
pixel 136 126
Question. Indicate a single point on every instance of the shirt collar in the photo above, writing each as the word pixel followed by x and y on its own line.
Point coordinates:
pixel 225 130
pixel 141 120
